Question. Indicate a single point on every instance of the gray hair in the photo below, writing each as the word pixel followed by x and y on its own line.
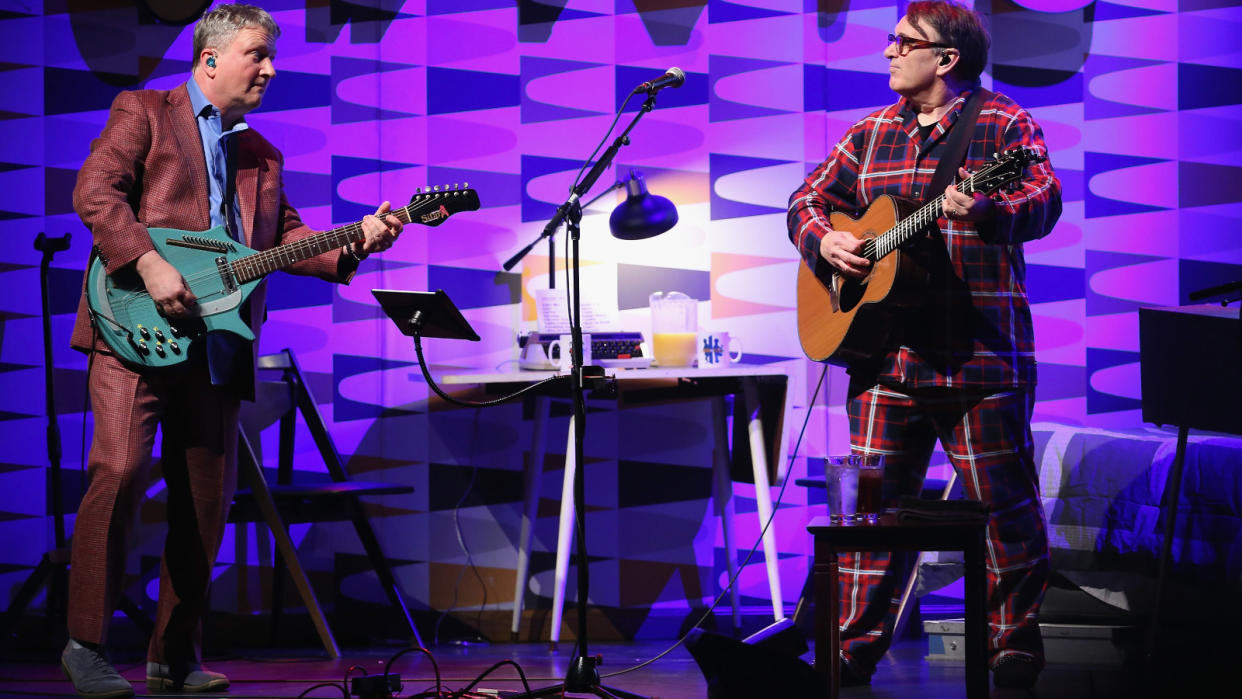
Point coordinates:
pixel 219 27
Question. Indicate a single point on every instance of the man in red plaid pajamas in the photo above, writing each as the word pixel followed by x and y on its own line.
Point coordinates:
pixel 961 368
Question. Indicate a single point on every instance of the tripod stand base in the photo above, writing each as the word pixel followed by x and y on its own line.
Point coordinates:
pixel 53 572
pixel 582 678
pixel 582 675
pixel 599 690
pixel 50 571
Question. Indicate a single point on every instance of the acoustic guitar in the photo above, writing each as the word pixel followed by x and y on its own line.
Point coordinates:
pixel 844 321
pixel 222 273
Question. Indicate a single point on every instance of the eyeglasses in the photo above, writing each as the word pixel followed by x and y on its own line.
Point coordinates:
pixel 907 44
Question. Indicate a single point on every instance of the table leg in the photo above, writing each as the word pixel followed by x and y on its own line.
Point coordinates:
pixel 722 497
pixel 976 620
pixel 824 576
pixel 564 537
pixel 763 492
pixel 534 472
pixel 1172 495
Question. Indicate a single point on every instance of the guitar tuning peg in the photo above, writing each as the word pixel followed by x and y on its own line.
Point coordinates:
pixel 436 188
pixel 465 185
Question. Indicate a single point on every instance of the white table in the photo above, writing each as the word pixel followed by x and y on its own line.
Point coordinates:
pixel 759 392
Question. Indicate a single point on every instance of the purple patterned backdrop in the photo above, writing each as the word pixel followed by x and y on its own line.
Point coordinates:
pixel 1139 100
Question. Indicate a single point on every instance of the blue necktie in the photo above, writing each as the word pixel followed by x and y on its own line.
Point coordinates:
pixel 226 351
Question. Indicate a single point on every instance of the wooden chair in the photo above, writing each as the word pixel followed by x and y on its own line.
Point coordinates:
pixel 281 394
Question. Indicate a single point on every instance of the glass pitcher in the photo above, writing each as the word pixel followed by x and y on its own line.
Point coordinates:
pixel 674 328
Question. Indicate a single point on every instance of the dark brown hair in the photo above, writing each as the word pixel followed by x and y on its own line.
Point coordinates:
pixel 959 27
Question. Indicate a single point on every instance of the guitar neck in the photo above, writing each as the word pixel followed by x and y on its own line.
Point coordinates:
pixel 260 264
pixel 913 224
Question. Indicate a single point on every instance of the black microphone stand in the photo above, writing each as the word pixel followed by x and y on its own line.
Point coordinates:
pixel 583 675
pixel 549 231
pixel 52 567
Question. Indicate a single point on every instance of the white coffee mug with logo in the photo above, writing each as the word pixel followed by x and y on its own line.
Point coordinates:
pixel 717 351
pixel 560 352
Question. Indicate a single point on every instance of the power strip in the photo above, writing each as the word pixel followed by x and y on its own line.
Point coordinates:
pixel 374 687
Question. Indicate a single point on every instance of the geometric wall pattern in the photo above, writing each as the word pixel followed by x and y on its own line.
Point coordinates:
pixel 1140 101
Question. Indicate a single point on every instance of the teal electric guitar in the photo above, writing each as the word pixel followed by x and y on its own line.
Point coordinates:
pixel 221 273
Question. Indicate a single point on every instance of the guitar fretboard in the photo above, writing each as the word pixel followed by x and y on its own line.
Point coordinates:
pixel 263 263
pixel 260 264
pixel 908 227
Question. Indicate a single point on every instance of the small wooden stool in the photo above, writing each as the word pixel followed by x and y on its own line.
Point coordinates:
pixel 964 534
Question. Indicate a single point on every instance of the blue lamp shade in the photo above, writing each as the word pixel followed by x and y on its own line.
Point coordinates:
pixel 641 215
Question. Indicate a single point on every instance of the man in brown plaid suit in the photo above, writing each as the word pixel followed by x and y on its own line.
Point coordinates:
pixel 184 159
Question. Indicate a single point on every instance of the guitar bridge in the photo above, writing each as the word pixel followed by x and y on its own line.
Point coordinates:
pixel 197 242
pixel 226 275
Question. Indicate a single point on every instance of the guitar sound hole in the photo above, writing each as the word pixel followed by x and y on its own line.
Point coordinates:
pixel 851 294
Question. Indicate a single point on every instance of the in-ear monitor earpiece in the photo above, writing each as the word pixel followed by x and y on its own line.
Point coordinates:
pixel 211 61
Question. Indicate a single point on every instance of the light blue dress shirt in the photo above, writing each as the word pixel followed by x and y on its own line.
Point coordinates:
pixel 224 350
pixel 221 159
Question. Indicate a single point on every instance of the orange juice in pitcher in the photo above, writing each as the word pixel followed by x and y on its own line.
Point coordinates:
pixel 674 328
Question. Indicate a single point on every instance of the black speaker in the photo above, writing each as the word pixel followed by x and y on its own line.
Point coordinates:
pixel 765 664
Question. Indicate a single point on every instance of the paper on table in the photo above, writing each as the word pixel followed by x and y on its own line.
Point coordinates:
pixel 552 311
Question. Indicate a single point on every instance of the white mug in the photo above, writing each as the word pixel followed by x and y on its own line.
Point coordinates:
pixel 563 358
pixel 716 351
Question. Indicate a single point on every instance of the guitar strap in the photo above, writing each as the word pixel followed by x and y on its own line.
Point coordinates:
pixel 959 140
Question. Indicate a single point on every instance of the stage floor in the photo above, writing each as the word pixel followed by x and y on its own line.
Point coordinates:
pixel 289 673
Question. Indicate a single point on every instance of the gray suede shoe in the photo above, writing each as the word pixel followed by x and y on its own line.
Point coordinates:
pixel 92 673
pixel 198 679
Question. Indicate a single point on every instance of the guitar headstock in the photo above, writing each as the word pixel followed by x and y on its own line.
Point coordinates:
pixel 430 206
pixel 1026 155
pixel 1005 168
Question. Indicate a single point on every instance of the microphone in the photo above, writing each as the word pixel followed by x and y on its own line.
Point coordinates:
pixel 673 77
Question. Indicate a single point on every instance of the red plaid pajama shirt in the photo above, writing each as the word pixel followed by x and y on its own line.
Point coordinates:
pixel 963 368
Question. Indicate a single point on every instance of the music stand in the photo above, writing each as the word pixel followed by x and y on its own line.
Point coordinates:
pixel 425 313
pixel 1225 294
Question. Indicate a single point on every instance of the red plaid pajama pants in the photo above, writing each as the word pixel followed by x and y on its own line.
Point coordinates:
pixel 987 437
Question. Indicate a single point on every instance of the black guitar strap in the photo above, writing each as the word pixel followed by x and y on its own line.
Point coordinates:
pixel 959 140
